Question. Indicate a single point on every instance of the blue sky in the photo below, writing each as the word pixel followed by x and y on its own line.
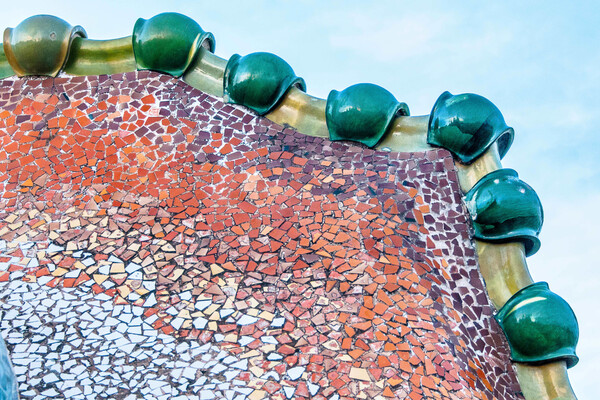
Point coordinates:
pixel 539 62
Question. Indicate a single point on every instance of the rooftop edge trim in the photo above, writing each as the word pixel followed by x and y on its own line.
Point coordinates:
pixel 477 143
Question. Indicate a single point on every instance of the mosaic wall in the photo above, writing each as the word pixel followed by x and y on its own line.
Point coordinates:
pixel 156 243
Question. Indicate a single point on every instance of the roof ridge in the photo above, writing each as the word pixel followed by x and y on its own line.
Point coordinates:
pixel 467 125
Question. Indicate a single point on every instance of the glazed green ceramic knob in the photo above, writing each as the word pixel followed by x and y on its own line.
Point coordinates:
pixel 169 43
pixel 540 326
pixel 466 125
pixel 40 45
pixel 503 209
pixel 258 81
pixel 362 113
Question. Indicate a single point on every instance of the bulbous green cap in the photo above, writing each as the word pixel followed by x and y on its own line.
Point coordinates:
pixel 362 113
pixel 540 326
pixel 467 125
pixel 503 209
pixel 169 43
pixel 258 81
pixel 40 45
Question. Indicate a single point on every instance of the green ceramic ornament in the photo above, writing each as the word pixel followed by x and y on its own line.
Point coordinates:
pixel 506 209
pixel 362 113
pixel 467 125
pixel 40 45
pixel 169 43
pixel 540 326
pixel 258 81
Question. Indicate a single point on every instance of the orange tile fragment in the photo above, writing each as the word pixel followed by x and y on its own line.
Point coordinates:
pixel 383 361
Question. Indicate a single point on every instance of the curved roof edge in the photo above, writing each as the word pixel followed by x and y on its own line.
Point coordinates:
pixel 477 152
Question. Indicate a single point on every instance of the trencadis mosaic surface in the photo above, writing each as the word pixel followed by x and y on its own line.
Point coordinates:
pixel 157 242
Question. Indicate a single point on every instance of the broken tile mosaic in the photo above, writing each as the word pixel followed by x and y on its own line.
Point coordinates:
pixel 156 243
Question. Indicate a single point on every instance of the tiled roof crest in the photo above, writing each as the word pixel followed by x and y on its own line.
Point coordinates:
pixel 470 126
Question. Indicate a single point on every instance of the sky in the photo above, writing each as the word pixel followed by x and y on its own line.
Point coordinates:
pixel 538 61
